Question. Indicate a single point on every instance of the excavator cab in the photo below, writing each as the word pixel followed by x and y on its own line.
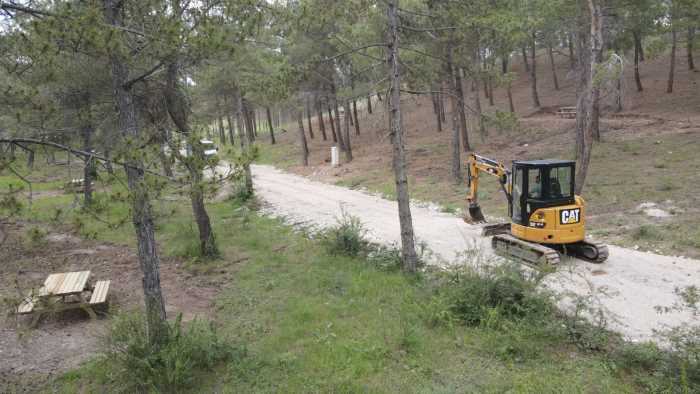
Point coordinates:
pixel 539 184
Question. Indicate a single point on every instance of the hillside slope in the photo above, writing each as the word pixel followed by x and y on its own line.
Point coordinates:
pixel 641 188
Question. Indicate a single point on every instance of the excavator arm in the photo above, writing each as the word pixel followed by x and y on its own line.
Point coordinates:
pixel 475 166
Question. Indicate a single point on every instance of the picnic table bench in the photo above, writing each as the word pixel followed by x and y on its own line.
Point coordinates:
pixel 567 112
pixel 63 291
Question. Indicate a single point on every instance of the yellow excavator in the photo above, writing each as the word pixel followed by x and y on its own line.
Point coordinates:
pixel 546 217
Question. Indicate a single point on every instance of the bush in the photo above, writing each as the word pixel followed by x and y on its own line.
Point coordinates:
pixel 138 366
pixel 347 237
pixel 491 294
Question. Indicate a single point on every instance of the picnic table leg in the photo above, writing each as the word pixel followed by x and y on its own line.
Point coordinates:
pixel 35 319
pixel 89 311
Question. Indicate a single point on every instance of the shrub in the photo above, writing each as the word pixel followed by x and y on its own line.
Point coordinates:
pixel 138 366
pixel 347 237
pixel 482 296
pixel 646 231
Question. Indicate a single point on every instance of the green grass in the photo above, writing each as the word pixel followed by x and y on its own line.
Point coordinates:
pixel 312 322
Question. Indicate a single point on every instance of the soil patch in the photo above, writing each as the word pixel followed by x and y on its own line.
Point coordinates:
pixel 30 357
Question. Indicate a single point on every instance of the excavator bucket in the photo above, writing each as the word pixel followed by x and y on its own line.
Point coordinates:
pixel 474 214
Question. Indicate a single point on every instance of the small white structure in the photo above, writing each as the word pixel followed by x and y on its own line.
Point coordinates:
pixel 334 156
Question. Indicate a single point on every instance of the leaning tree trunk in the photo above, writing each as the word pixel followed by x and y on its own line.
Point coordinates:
pixel 140 202
pixel 269 125
pixel 179 114
pixel 321 123
pixel 408 249
pixel 672 67
pixel 533 73
pixel 302 139
pixel 637 53
pixel 89 168
pixel 554 67
pixel 348 146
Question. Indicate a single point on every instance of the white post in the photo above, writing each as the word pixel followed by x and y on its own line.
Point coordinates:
pixel 334 156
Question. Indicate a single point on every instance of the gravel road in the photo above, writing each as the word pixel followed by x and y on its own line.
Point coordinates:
pixel 628 287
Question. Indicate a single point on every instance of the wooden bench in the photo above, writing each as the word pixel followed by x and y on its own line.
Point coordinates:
pixel 567 112
pixel 99 293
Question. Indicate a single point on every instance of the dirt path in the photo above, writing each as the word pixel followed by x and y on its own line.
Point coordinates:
pixel 628 287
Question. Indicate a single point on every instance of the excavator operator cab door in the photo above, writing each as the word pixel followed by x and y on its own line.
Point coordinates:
pixel 540 184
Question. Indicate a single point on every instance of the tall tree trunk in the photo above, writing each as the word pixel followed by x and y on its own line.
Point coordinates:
pixel 89 168
pixel 244 132
pixel 689 47
pixel 509 88
pixel 441 97
pixel 308 117
pixel 479 116
pixel 357 121
pixel 302 139
pixel 637 53
pixel 319 116
pixel 369 104
pixel 222 132
pixel 456 123
pixel 672 67
pixel 459 90
pixel 179 112
pixel 437 110
pixel 408 249
pixel 585 113
pixel 229 123
pixel 525 61
pixel 554 67
pixel 330 120
pixel 572 56
pixel 140 202
pixel 338 128
pixel 269 125
pixel 165 161
pixel 533 72
pixel 348 146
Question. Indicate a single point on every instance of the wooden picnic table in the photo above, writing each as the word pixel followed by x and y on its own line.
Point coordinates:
pixel 63 291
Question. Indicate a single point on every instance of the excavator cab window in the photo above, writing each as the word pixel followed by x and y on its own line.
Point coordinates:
pixel 540 184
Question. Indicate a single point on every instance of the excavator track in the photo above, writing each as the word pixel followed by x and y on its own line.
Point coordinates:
pixel 589 251
pixel 529 252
